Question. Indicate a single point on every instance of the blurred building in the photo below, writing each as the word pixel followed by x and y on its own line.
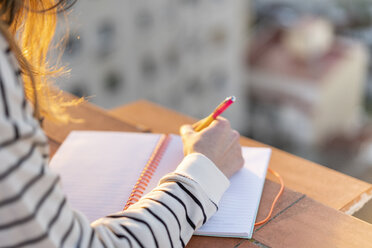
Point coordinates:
pixel 325 110
pixel 306 91
pixel 184 54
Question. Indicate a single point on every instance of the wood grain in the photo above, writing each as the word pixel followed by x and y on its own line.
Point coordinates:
pixel 299 221
pixel 311 224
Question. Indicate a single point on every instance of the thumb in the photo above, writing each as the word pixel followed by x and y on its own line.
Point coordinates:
pixel 186 130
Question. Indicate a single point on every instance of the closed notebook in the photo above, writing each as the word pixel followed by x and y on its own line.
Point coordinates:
pixel 99 171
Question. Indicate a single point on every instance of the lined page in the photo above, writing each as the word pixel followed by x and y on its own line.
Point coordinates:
pixel 172 157
pixel 99 169
pixel 239 205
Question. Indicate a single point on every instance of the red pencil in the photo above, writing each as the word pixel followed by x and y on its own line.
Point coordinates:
pixel 219 110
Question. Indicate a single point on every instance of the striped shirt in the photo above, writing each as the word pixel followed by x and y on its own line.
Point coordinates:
pixel 34 212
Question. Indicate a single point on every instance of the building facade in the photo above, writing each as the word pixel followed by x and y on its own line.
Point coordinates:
pixel 184 54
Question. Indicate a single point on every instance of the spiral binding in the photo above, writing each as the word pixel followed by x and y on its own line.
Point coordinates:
pixel 149 170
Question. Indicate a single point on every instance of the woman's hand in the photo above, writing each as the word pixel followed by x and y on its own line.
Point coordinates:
pixel 219 142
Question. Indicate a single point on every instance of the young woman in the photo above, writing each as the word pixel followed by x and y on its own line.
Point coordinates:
pixel 33 209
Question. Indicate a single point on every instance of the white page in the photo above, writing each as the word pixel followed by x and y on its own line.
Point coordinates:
pixel 169 162
pixel 239 205
pixel 99 170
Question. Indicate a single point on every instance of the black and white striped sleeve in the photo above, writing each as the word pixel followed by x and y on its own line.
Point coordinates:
pixel 34 211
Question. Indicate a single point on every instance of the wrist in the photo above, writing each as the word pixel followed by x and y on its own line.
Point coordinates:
pixel 202 170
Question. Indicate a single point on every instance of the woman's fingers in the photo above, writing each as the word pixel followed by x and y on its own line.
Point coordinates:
pixel 219 142
pixel 186 130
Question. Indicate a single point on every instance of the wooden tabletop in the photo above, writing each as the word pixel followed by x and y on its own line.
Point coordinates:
pixel 307 218
pixel 322 184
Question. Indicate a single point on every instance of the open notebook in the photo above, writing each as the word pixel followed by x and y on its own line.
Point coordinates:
pixel 100 169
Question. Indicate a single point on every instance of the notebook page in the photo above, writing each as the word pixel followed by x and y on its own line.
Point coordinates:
pixel 109 164
pixel 172 157
pixel 239 205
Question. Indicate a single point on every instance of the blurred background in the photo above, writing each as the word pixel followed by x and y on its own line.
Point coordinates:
pixel 301 70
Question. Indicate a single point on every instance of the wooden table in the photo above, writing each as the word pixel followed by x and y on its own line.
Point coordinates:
pixel 324 185
pixel 311 212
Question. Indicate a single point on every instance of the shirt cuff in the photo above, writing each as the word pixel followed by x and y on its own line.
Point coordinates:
pixel 202 170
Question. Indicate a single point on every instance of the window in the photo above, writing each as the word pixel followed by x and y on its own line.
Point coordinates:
pixel 106 36
pixel 113 82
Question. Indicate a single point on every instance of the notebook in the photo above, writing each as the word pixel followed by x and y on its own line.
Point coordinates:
pixel 99 171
